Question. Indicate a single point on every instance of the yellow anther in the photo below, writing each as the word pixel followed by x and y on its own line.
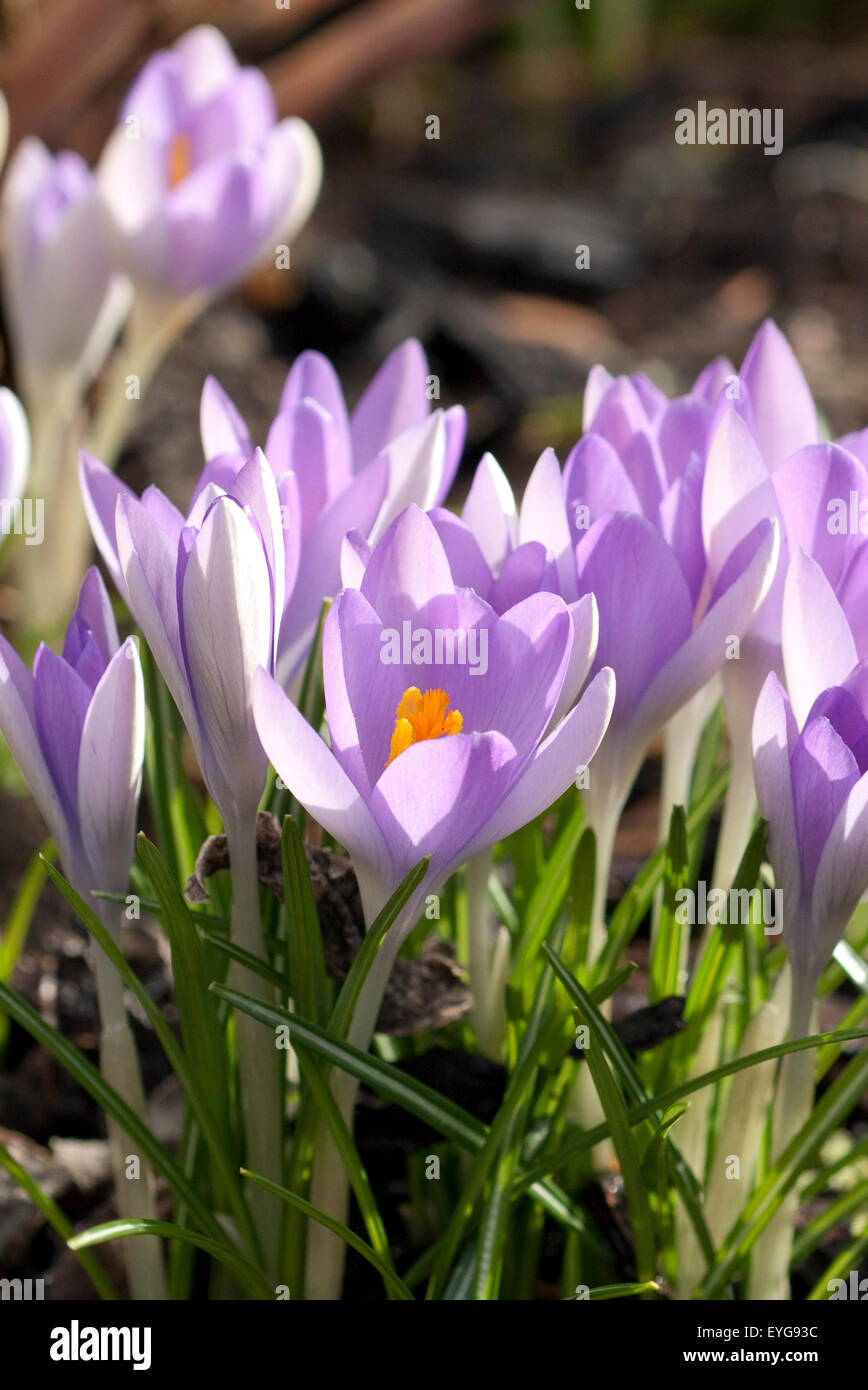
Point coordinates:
pixel 179 160
pixel 421 716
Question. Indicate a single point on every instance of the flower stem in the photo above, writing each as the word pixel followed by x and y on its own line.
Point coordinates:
pixel 154 323
pixel 484 1012
pixel 119 1064
pixel 738 812
pixel 329 1189
pixel 769 1271
pixel 260 1067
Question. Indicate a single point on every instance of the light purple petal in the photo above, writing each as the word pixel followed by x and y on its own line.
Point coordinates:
pixel 544 517
pixel 743 584
pixel 783 413
pixel 490 512
pixel 818 647
pixel 646 613
pixel 395 400
pixel 556 763
pixel 317 780
pixel 774 737
pixel 221 425
pixel 18 723
pixel 110 769
pixel 228 634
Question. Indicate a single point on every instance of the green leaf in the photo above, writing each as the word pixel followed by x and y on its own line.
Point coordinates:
pixel 246 1273
pixel 615 1112
pixel 374 938
pixel 683 1177
pixel 355 1169
pixel 607 1291
pixel 827 1114
pixel 55 1217
pixel 637 901
pixel 420 1100
pixel 304 938
pixel 214 1128
pixel 549 893
pixel 668 952
pixel 337 1228
pixel 108 1099
pixel 581 1143
pixel 19 919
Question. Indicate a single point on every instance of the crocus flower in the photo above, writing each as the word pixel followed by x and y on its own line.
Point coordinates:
pixel 812 788
pixel 206 591
pixel 199 179
pixel 662 653
pixel 428 756
pixel 76 728
pixel 766 459
pixel 351 470
pixel 64 300
pixel 488 552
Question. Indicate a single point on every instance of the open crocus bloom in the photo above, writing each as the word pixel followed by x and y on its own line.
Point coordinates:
pixel 812 788
pixel 199 179
pixel 660 653
pixel 644 453
pixel 350 470
pixel 76 728
pixel 432 755
pixel 63 299
pixel 488 551
pixel 206 591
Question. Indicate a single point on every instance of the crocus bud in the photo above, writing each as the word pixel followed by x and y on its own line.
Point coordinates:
pixel 76 728
pixel 199 179
pixel 64 301
pixel 206 591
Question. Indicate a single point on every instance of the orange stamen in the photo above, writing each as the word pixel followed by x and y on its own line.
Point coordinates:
pixel 179 161
pixel 419 717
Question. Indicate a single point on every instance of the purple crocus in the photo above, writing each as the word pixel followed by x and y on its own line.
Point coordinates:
pixel 456 765
pixel 76 728
pixel 206 591
pixel 812 788
pixel 64 300
pixel 661 651
pixel 488 552
pixel 766 459
pixel 338 470
pixel 199 179
pixel 429 754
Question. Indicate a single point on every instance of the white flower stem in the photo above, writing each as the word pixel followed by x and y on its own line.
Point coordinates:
pixel 738 813
pixel 484 1011
pixel 770 1261
pixel 738 1143
pixel 154 323
pixel 119 1064
pixel 260 1068
pixel 49 573
pixel 329 1190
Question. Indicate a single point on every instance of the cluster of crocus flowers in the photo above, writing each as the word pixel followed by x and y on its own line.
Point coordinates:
pixel 338 470
pixel 198 183
pixel 474 666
